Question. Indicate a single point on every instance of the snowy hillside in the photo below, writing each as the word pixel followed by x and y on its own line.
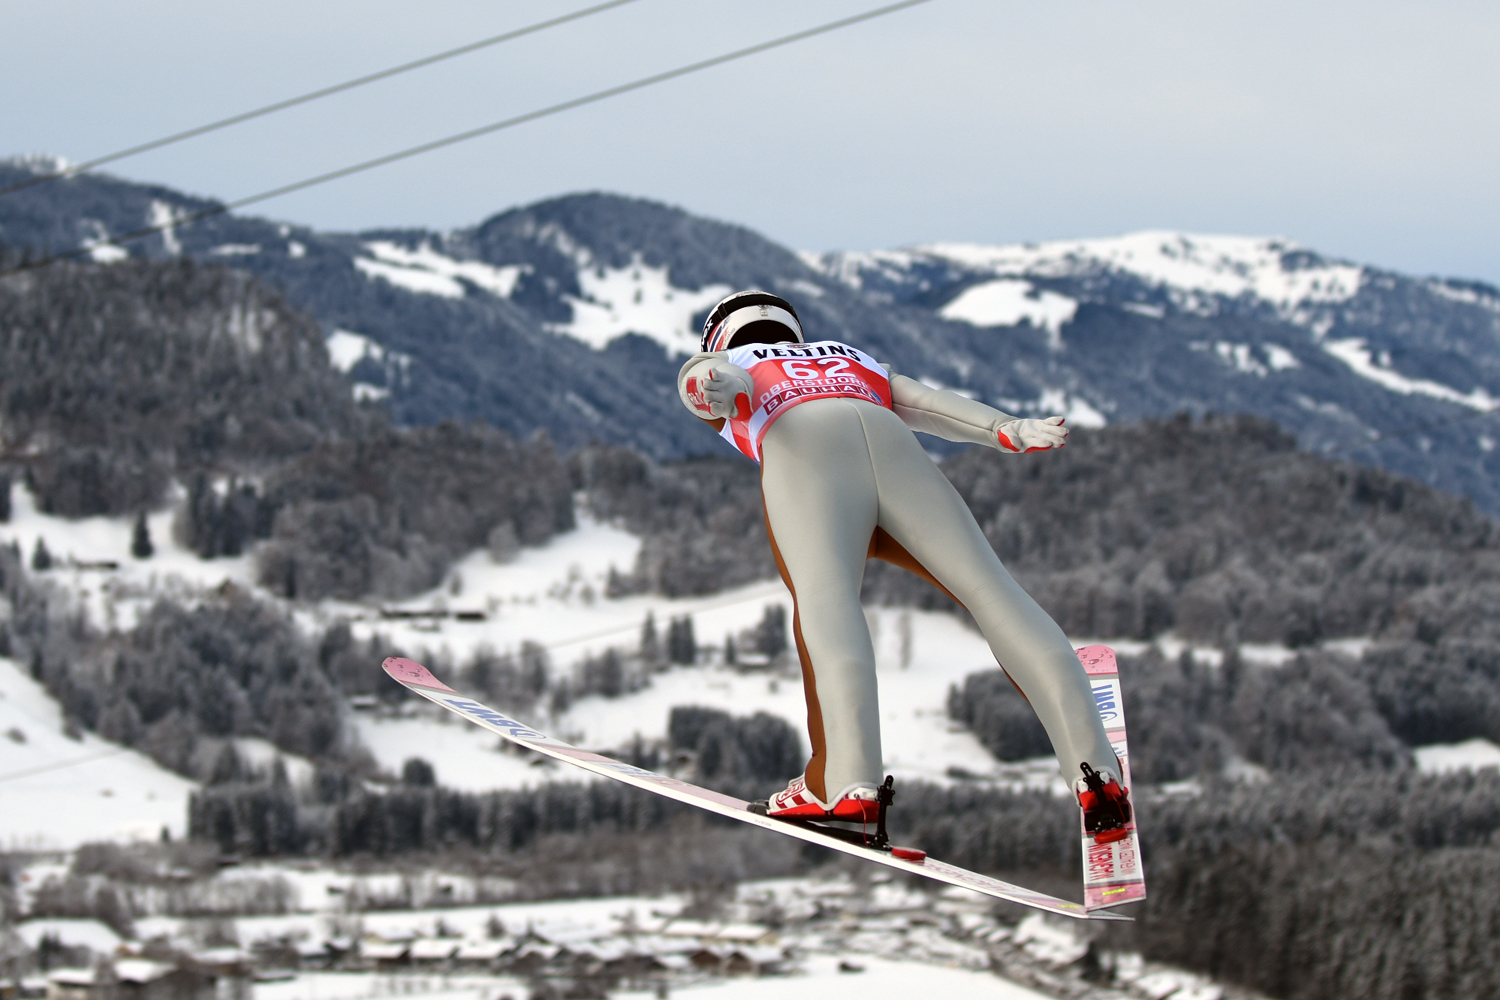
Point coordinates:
pixel 59 790
pixel 552 595
pixel 920 741
pixel 91 560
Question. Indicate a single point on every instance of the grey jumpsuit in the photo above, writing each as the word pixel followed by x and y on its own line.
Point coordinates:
pixel 844 480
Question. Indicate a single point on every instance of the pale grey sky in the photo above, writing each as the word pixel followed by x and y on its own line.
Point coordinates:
pixel 1367 130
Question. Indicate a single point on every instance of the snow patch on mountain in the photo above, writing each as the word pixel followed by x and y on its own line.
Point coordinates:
pixel 1259 360
pixel 1010 301
pixel 428 272
pixel 1195 270
pixel 346 349
pixel 1444 758
pixel 1279 358
pixel 101 251
pixel 1056 402
pixel 106 253
pixel 1355 353
pixel 1468 296
pixel 163 214
pixel 853 267
pixel 39 163
pixel 637 299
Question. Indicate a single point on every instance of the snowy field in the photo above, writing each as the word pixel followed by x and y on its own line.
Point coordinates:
pixel 57 791
pixel 552 595
pixel 113 597
pixel 1470 755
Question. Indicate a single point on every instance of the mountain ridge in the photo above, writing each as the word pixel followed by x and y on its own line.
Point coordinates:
pixel 569 316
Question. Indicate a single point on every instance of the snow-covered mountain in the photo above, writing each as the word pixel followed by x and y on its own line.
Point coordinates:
pixel 1367 319
pixel 571 315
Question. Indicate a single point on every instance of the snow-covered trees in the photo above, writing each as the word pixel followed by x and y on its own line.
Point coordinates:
pixel 386 514
pixel 126 375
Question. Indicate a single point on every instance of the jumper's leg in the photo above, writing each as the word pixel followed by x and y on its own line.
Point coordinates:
pixel 820 512
pixel 922 511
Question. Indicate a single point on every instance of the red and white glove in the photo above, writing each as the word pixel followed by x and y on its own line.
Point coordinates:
pixel 1022 435
pixel 721 391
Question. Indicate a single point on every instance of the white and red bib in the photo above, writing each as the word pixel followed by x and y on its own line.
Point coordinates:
pixel 788 374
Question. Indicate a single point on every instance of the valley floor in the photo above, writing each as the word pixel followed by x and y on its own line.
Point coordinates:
pixel 795 937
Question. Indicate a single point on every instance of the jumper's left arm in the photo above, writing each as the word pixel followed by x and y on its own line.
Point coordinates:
pixel 957 418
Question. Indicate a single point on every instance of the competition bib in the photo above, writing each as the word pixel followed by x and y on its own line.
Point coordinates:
pixel 788 374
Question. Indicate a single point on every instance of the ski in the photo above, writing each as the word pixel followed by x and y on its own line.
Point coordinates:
pixel 419 680
pixel 1112 873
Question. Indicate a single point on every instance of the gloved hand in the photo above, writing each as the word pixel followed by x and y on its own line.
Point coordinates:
pixel 723 390
pixel 1021 435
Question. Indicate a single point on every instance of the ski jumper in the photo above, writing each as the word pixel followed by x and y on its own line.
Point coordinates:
pixel 844 479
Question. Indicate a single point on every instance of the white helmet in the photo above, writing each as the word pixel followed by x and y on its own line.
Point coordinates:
pixel 751 317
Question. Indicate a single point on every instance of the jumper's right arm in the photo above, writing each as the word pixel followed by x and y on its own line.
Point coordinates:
pixel 957 418
pixel 713 388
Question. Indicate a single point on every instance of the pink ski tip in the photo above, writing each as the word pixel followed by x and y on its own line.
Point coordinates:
pixel 411 672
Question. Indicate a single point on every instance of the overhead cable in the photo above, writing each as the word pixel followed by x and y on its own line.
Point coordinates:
pixel 451 140
pixel 58 765
pixel 312 96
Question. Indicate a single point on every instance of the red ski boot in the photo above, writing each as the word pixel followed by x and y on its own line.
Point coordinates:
pixel 859 803
pixel 1106 806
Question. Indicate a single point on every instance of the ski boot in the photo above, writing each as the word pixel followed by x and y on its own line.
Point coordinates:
pixel 1106 805
pixel 859 803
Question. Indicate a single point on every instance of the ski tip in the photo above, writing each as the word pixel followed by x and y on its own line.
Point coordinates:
pixel 411 672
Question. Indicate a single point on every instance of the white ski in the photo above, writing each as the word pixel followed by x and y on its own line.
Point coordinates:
pixel 1112 873
pixel 417 678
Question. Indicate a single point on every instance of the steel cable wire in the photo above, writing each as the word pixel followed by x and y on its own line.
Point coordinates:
pixel 475 133
pixel 311 96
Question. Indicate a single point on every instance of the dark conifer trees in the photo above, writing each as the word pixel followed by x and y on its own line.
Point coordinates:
pixel 140 538
pixel 682 647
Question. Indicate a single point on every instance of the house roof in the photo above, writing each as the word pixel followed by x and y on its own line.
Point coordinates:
pixel 141 970
pixel 434 949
